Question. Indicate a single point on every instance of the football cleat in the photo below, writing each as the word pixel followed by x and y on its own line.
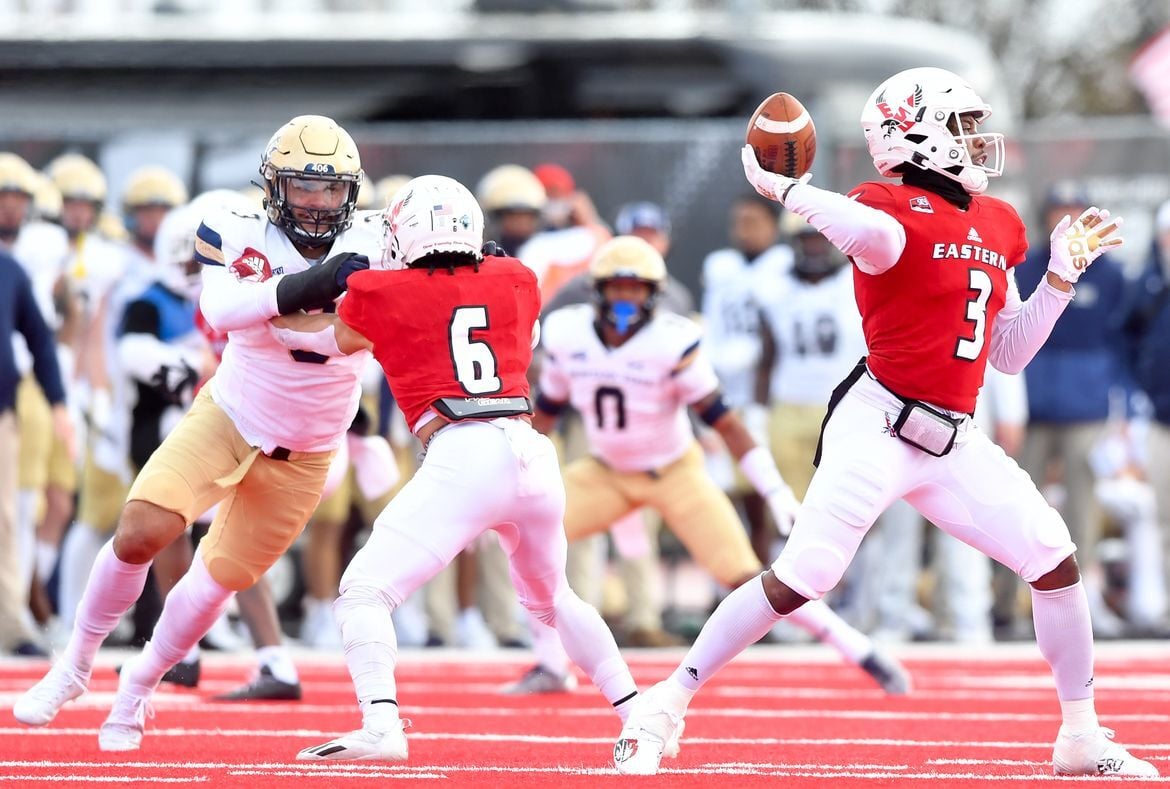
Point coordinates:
pixel 184 674
pixel 126 723
pixel 41 703
pixel 538 679
pixel 1095 753
pixel 887 672
pixel 651 732
pixel 263 687
pixel 388 746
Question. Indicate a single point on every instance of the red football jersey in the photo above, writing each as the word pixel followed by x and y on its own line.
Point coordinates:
pixel 461 334
pixel 927 320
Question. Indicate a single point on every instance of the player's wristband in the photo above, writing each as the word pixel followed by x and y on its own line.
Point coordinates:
pixel 760 469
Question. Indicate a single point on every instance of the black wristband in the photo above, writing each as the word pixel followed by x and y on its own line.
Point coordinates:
pixel 313 289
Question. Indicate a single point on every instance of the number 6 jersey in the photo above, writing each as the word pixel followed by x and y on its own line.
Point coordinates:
pixel 928 318
pixel 632 398
pixel 458 333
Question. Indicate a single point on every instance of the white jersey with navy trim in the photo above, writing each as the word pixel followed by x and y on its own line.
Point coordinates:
pixel 632 398
pixel 732 288
pixel 817 329
pixel 298 400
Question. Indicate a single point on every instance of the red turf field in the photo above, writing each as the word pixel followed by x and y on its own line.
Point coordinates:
pixel 781 713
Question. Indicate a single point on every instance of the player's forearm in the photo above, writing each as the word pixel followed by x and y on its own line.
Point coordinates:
pixel 231 305
pixel 316 336
pixel 143 356
pixel 1019 333
pixel 872 238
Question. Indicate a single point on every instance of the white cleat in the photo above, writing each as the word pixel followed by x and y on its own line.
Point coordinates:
pixel 126 723
pixel 1095 753
pixel 41 703
pixel 651 732
pixel 387 746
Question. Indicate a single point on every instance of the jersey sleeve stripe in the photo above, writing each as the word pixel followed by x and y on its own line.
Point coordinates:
pixel 207 254
pixel 688 356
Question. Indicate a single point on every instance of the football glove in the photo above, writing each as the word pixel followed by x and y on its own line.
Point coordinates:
pixel 1075 245
pixel 771 185
pixel 783 505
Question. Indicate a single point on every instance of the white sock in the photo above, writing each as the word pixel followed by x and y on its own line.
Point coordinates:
pixel 547 648
pixel 279 662
pixel 188 613
pixel 113 587
pixel 590 644
pixel 26 533
pixel 823 624
pixel 47 554
pixel 741 620
pixel 79 553
pixel 371 652
pixel 1064 634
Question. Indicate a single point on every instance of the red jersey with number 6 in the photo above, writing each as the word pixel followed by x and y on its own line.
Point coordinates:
pixel 443 334
pixel 927 320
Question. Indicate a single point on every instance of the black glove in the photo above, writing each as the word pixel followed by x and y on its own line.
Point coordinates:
pixel 493 250
pixel 319 286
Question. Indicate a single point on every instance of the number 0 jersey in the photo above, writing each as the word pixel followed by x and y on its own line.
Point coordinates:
pixel 463 334
pixel 928 318
pixel 276 397
pixel 632 398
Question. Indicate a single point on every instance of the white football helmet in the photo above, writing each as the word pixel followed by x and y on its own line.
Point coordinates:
pixel 174 244
pixel 914 118
pixel 430 214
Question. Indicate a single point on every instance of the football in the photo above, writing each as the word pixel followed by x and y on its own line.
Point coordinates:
pixel 783 136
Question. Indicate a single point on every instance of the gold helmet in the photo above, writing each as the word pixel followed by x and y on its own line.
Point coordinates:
pixel 627 257
pixel 16 175
pixel 47 201
pixel 78 178
pixel 387 187
pixel 310 148
pixel 511 187
pixel 153 186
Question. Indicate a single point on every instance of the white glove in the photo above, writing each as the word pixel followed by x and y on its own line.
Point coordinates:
pixel 783 505
pixel 771 185
pixel 1075 245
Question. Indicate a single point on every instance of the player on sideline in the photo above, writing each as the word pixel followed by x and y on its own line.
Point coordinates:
pixel 457 369
pixel 632 371
pixel 932 275
pixel 259 435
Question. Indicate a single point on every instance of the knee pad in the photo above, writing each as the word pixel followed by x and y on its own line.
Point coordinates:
pixel 811 569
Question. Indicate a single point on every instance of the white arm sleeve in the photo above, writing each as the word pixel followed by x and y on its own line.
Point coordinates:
pixel 230 305
pixel 873 238
pixel 1021 327
pixel 144 355
pixel 323 342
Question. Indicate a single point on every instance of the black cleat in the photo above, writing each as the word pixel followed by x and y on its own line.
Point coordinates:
pixel 264 687
pixel 183 674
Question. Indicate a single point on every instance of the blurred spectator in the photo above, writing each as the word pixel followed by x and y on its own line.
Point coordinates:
pixel 1069 385
pixel 1146 326
pixel 19 314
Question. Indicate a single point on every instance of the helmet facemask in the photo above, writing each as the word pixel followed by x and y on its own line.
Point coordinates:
pixel 625 316
pixel 313 227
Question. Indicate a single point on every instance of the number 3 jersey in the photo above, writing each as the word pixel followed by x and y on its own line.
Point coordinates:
pixel 276 397
pixel 632 398
pixel 928 318
pixel 458 333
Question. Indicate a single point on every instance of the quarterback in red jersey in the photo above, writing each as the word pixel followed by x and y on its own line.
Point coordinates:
pixel 932 259
pixel 454 332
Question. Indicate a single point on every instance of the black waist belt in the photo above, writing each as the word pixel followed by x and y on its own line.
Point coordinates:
pixel 835 400
pixel 457 408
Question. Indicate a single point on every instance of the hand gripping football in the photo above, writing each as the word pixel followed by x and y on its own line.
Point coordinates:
pixel 783 136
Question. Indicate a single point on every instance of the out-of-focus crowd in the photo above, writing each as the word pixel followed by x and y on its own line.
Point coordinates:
pixel 92 380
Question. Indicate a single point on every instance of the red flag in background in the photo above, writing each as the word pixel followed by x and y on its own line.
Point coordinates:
pixel 1150 71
